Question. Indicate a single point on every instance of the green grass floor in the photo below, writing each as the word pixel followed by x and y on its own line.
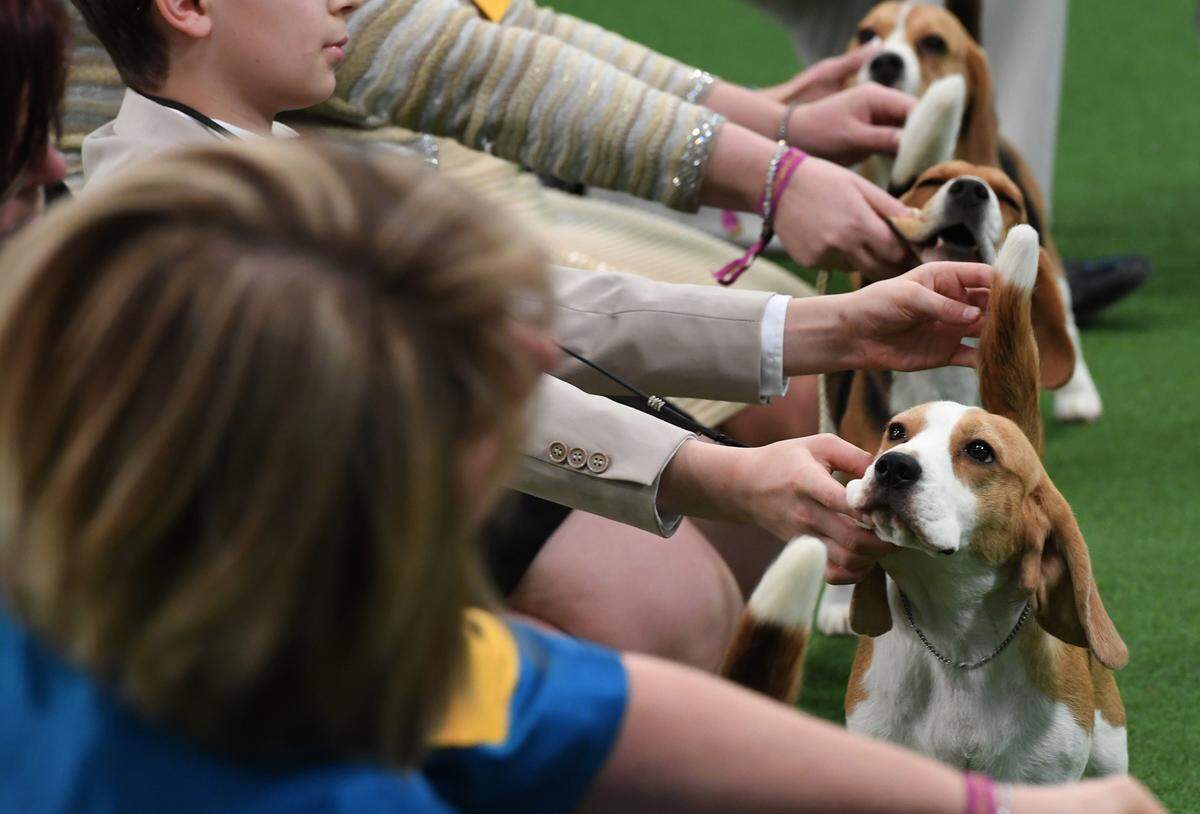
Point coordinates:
pixel 1127 180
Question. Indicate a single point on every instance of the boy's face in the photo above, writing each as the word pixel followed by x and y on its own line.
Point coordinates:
pixel 282 52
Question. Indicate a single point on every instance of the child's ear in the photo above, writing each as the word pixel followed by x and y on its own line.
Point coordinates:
pixel 188 17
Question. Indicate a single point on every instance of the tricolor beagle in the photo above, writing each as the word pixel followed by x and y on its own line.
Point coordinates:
pixel 986 643
pixel 922 44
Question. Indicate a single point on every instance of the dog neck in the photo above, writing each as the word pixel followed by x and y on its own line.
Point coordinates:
pixel 965 607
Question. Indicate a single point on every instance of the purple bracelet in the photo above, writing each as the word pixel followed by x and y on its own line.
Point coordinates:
pixel 778 178
pixel 981 794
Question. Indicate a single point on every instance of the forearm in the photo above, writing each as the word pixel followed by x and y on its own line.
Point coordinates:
pixel 737 169
pixel 435 66
pixel 693 742
pixel 701 480
pixel 751 109
pixel 655 69
pixel 817 337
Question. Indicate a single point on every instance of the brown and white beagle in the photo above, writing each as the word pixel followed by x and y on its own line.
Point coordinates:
pixel 984 639
pixel 922 44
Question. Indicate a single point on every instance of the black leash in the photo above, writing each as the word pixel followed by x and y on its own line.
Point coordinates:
pixel 656 406
pixel 192 113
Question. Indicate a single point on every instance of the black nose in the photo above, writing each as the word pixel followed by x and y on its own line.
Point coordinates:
pixel 896 470
pixel 886 69
pixel 968 193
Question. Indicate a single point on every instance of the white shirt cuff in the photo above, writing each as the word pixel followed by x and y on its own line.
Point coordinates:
pixel 771 381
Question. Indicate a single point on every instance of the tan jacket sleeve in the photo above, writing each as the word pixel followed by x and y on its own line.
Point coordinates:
pixel 590 453
pixel 664 338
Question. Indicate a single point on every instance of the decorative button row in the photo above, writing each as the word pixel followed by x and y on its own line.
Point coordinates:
pixel 579 458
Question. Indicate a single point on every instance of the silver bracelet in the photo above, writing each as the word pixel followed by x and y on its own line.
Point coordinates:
pixel 781 148
pixel 787 120
pixel 1004 796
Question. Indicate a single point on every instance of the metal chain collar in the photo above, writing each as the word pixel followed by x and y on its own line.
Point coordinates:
pixel 962 665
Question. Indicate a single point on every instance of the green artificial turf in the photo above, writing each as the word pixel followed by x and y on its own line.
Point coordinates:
pixel 1127 180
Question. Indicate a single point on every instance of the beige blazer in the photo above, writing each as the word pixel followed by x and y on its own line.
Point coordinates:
pixel 583 450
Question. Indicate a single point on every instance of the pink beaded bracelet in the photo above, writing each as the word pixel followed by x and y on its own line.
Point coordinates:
pixel 783 165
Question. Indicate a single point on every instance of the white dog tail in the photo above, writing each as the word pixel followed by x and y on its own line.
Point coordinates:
pixel 767 654
pixel 1008 354
pixel 931 133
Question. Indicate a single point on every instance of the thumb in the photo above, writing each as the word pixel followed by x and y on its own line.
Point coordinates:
pixel 879 139
pixel 885 205
pixel 925 302
pixel 965 356
pixel 842 67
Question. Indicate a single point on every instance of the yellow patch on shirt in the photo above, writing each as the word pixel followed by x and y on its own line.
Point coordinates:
pixel 479 711
pixel 494 10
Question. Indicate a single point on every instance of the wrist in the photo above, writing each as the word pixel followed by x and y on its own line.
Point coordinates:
pixel 699 481
pixel 737 170
pixel 818 336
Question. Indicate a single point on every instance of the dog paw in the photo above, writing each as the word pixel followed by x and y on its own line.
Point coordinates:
pixel 833 616
pixel 1078 405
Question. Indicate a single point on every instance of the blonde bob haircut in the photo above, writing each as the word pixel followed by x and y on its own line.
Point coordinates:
pixel 238 389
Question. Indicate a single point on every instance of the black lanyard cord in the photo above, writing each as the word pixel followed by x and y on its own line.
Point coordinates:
pixel 657 406
pixel 192 113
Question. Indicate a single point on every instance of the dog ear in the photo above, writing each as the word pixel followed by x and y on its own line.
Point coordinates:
pixel 1057 571
pixel 869 611
pixel 981 130
pixel 1056 352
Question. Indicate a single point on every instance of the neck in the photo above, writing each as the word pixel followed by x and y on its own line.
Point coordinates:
pixel 965 607
pixel 216 100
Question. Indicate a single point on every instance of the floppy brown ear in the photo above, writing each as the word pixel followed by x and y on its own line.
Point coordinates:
pixel 1057 571
pixel 869 611
pixel 1056 353
pixel 980 139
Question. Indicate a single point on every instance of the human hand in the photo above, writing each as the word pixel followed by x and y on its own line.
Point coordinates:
pixel 850 125
pixel 786 488
pixel 821 78
pixel 830 217
pixel 1110 795
pixel 916 321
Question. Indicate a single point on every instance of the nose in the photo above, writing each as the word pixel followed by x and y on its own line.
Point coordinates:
pixel 968 193
pixel 886 69
pixel 895 470
pixel 344 7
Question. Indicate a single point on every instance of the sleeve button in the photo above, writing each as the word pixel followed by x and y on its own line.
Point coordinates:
pixel 577 458
pixel 598 462
pixel 558 452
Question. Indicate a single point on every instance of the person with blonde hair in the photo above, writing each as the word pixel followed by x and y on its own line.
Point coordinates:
pixel 252 420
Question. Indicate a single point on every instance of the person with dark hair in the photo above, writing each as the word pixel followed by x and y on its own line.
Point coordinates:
pixel 32 76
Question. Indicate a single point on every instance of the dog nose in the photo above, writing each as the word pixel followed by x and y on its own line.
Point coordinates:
pixel 969 193
pixel 886 69
pixel 896 470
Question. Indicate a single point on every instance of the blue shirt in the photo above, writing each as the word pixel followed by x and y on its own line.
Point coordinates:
pixel 69 745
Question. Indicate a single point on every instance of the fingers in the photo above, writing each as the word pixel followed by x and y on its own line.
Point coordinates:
pixel 879 138
pixel 844 66
pixel 946 274
pixel 840 456
pixel 925 302
pixel 965 356
pixel 884 204
pixel 889 105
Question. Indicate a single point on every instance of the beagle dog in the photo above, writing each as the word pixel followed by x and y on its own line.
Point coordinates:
pixel 922 44
pixel 984 640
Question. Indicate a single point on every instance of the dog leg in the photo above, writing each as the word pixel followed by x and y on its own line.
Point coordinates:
pixel 1078 400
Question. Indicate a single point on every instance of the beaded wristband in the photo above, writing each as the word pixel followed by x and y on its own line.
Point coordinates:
pixel 981 794
pixel 786 121
pixel 783 165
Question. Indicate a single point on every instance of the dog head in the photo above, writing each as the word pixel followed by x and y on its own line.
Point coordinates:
pixel 957 481
pixel 966 213
pixel 921 44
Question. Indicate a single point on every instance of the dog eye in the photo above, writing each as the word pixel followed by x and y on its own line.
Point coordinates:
pixel 933 44
pixel 865 35
pixel 981 452
pixel 896 432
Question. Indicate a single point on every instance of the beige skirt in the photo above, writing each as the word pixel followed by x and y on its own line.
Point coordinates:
pixel 583 232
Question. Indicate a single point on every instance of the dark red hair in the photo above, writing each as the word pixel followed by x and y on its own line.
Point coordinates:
pixel 33 72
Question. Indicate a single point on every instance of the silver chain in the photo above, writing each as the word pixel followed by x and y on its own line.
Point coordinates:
pixel 963 665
